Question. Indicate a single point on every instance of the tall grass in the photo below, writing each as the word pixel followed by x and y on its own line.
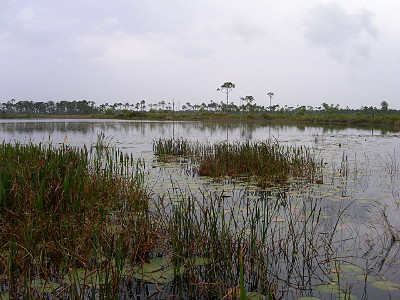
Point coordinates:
pixel 270 163
pixel 79 224
pixel 66 209
pixel 260 246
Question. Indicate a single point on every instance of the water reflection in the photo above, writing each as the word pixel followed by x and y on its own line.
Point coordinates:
pixel 140 131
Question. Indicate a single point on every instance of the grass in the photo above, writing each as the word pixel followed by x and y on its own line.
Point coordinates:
pixel 81 223
pixel 269 162
pixel 387 121
pixel 64 209
pixel 349 119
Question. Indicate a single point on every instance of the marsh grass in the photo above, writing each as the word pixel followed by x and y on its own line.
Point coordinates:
pixel 269 162
pixel 245 243
pixel 65 209
pixel 80 224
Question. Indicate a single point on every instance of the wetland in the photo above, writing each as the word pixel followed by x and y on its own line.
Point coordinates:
pixel 113 209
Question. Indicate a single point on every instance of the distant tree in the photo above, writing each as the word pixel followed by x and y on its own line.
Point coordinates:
pixel 248 100
pixel 226 88
pixel 189 105
pixel 270 95
pixel 275 107
pixel 384 106
pixel 212 105
pixel 142 105
pixel 330 109
pixel 50 107
pixel 325 106
pixel 102 107
pixel 162 104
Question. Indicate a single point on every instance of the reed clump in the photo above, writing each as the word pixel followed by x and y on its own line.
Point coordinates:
pixel 270 163
pixel 67 208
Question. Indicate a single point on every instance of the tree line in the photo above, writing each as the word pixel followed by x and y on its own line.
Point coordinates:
pixel 247 105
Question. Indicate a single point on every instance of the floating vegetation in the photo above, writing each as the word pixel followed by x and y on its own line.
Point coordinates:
pixel 366 278
pixel 269 163
pixel 386 285
pixel 332 288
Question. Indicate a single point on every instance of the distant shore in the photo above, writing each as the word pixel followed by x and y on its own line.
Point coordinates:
pixel 390 121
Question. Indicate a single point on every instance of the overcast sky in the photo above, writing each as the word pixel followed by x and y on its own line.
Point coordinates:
pixel 307 52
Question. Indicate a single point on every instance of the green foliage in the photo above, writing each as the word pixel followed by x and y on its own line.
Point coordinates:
pixel 384 106
pixel 301 112
pixel 109 112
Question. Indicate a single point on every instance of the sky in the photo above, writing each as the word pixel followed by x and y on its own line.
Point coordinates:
pixel 306 52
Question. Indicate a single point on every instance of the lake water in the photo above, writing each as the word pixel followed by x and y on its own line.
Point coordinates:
pixel 361 188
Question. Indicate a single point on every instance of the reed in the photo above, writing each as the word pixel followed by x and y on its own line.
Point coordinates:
pixel 269 162
pixel 79 223
pixel 68 209
pixel 232 249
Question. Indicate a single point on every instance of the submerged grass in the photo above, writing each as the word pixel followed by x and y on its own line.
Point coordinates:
pixel 269 162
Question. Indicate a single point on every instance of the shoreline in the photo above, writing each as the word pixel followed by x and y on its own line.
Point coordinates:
pixel 390 122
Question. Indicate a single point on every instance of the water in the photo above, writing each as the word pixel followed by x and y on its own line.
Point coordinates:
pixel 360 196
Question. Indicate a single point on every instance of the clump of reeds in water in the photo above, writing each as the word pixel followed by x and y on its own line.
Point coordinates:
pixel 167 149
pixel 65 211
pixel 270 163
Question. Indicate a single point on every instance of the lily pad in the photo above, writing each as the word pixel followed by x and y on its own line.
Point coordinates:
pixel 386 285
pixel 366 278
pixel 343 296
pixel 160 276
pixel 86 276
pixel 254 296
pixel 351 269
pixel 75 276
pixel 161 261
pixel 198 261
pixel 337 276
pixel 329 288
pixel 44 286
pixel 147 268
pixel 97 279
pixel 253 197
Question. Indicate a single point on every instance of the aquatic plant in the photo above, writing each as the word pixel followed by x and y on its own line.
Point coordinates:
pixel 67 209
pixel 82 223
pixel 269 162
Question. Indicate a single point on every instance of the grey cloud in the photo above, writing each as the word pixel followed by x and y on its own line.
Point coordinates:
pixel 345 36
pixel 246 30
